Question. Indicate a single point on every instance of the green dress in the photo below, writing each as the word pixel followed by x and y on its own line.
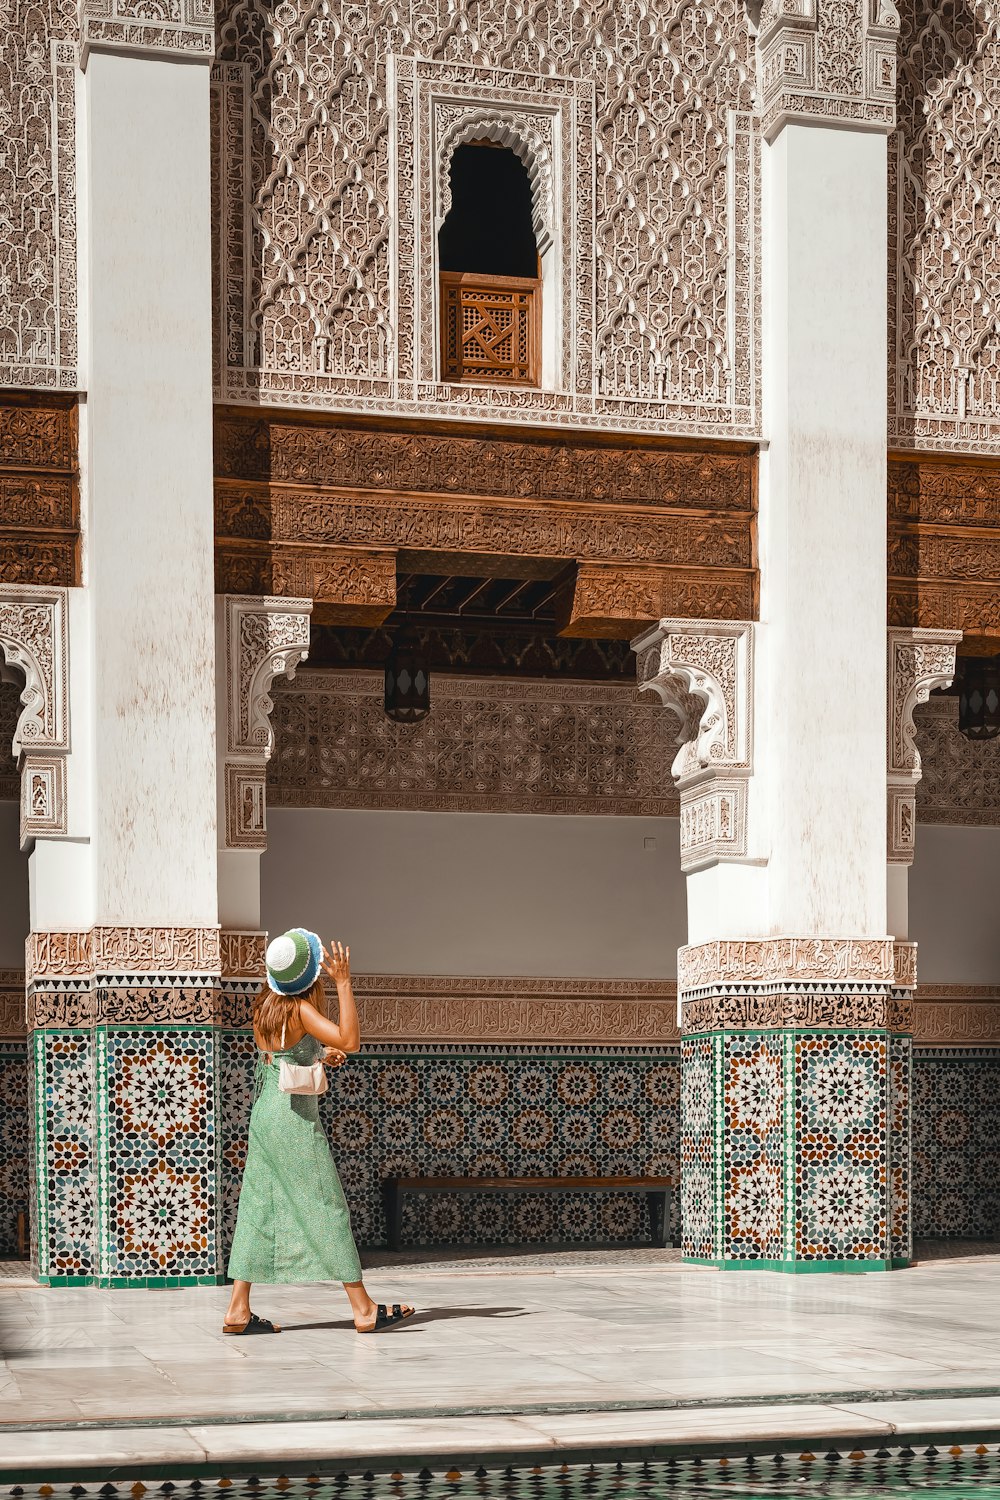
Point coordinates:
pixel 293 1223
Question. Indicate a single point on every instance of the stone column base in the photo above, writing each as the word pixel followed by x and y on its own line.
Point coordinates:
pixel 128 1101
pixel 795 1105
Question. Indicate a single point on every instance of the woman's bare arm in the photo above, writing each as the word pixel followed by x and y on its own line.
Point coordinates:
pixel 345 1033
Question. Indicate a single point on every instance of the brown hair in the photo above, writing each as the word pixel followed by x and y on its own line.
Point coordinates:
pixel 271 1012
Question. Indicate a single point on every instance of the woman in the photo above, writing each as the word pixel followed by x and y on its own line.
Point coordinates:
pixel 293 1223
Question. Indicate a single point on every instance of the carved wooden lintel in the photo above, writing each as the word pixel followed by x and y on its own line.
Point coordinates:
pixel 348 585
pixel 944 545
pixel 294 499
pixel 39 510
pixel 606 601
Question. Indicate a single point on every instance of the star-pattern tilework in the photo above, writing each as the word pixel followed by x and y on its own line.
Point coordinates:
pixel 64 1152
pixel 754 1098
pixel 701 1216
pixel 13 1141
pixel 841 1146
pixel 450 1111
pixel 956 1142
pixel 158 1180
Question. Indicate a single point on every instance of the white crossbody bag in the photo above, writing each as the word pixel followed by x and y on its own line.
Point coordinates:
pixel 300 1078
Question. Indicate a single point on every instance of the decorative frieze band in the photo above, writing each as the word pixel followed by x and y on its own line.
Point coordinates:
pixel 919 661
pixel 703 672
pixel 242 954
pixel 426 1008
pixel 811 1007
pixel 12 1006
pixel 957 1015
pixel 131 26
pixel 579 1012
pixel 783 960
pixel 259 639
pixel 126 951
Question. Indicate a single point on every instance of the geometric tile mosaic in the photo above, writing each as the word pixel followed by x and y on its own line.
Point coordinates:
pixel 157 1167
pixel 901 1060
pixel 956 1143
pixel 174 1102
pixel 64 1147
pixel 455 1111
pixel 13 1142
pixel 700 1214
pixel 754 1202
pixel 840 1147
pixel 786 1148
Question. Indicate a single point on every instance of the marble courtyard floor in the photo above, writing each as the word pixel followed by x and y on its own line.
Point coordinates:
pixel 526 1357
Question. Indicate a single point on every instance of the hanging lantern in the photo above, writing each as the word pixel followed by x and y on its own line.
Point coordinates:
pixel 979 698
pixel 407 680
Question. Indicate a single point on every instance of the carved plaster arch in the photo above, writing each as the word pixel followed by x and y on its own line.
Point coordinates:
pixel 34 638
pixel 919 662
pixel 263 639
pixel 527 144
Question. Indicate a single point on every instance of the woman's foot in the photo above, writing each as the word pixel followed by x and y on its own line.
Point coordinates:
pixel 249 1324
pixel 383 1316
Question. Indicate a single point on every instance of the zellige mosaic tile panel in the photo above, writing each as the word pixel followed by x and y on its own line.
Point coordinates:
pixel 13 1142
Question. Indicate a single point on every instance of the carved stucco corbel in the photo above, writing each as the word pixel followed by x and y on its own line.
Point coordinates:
pixel 702 671
pixel 34 639
pixel 262 639
pixel 919 662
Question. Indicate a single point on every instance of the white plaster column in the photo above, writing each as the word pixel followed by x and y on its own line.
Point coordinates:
pixel 123 961
pixel 822 531
pixel 149 519
pixel 796 1005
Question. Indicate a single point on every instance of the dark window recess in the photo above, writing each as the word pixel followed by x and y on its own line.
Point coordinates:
pixel 488 228
pixel 490 287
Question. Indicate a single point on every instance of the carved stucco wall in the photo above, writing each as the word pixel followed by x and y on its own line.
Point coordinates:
pixel 37 194
pixel 961 777
pixel 492 745
pixel 328 119
pixel 944 255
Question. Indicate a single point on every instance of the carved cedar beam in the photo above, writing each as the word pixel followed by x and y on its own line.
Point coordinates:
pixel 604 601
pixel 348 585
pixel 293 499
pixel 944 545
pixel 39 499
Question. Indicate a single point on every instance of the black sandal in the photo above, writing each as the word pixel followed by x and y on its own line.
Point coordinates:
pixel 385 1317
pixel 252 1325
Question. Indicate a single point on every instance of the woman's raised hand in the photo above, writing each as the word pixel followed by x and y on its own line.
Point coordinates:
pixel 338 962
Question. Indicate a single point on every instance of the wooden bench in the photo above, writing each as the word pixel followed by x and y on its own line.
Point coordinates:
pixel 658 1191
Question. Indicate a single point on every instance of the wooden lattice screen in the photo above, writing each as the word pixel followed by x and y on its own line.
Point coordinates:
pixel 490 328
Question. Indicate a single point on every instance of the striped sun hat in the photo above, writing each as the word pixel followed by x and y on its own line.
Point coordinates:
pixel 293 961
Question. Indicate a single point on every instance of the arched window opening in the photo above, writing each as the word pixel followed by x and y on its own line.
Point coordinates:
pixel 491 291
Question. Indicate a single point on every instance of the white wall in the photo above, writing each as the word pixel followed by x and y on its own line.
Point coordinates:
pixel 480 893
pixel 955 904
pixel 13 889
